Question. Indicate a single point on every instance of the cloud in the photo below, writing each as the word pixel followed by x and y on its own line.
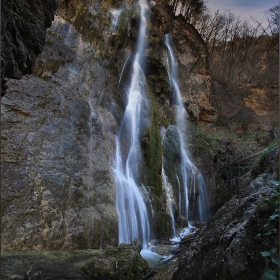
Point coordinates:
pixel 242 8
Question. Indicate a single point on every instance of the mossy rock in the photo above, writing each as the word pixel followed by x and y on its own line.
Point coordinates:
pixel 123 262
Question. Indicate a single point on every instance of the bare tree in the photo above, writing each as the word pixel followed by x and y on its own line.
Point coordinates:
pixel 273 19
pixel 232 43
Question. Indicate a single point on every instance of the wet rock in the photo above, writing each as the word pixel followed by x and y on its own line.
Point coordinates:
pixel 123 262
pixel 182 222
pixel 228 247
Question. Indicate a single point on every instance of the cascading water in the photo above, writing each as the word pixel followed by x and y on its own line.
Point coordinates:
pixel 189 172
pixel 131 208
pixel 168 189
pixel 115 17
pixel 203 200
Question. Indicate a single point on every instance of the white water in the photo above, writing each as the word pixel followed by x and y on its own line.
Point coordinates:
pixel 152 258
pixel 115 17
pixel 168 189
pixel 190 174
pixel 122 74
pixel 170 200
pixel 132 212
pixel 203 200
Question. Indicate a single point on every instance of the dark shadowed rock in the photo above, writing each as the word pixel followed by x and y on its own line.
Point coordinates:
pixel 23 30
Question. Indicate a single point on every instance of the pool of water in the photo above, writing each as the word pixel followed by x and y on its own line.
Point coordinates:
pixel 51 264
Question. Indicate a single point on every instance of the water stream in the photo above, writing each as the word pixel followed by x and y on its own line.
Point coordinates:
pixel 191 177
pixel 114 21
pixel 131 208
pixel 168 189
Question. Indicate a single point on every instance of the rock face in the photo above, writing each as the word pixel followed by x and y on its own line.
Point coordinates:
pixel 23 29
pixel 59 123
pixel 57 145
pixel 229 246
pixel 195 82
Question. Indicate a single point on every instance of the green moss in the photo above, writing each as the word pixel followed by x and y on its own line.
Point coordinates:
pixel 122 27
pixel 163 224
pixel 153 157
pixel 153 151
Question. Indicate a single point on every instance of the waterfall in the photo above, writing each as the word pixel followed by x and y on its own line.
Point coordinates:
pixel 203 200
pixel 131 208
pixel 168 189
pixel 189 172
pixel 115 17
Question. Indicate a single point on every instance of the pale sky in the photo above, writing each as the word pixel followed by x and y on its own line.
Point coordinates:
pixel 242 8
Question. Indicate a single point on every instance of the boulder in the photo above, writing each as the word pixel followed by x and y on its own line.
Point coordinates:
pixel 123 262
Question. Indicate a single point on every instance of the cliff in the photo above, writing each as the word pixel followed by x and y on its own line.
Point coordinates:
pixel 59 123
pixel 65 96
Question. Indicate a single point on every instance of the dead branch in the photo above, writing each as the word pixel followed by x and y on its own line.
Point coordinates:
pixel 234 162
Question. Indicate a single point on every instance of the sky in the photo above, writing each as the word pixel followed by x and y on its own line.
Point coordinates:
pixel 242 8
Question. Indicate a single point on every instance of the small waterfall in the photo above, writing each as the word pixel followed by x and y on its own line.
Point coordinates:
pixel 203 200
pixel 168 190
pixel 190 174
pixel 122 74
pixel 115 17
pixel 179 198
pixel 131 208
pixel 148 199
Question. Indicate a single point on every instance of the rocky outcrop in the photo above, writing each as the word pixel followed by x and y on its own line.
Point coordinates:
pixel 248 108
pixel 194 74
pixel 229 246
pixel 23 30
pixel 193 66
pixel 123 262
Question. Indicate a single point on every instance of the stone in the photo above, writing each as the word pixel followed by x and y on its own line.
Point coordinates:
pixel 123 262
